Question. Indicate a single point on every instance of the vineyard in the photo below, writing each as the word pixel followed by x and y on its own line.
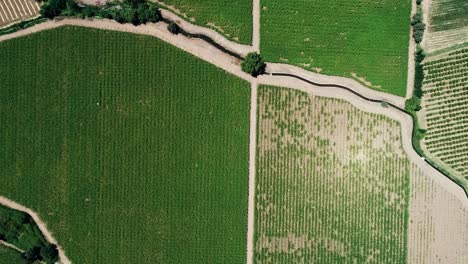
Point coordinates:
pixel 15 10
pixel 437 231
pixel 365 40
pixel 131 150
pixel 332 182
pixel 448 14
pixel 230 18
pixel 445 104
pixel 448 23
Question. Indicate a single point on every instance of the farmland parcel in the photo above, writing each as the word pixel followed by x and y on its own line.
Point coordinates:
pixel 444 111
pixel 334 185
pixel 365 40
pixel 447 23
pixel 231 18
pixel 131 150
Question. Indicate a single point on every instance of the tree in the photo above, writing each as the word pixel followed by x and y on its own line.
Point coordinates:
pixel 53 8
pixel 49 253
pixel 253 64
pixel 173 28
pixel 32 255
pixel 418 27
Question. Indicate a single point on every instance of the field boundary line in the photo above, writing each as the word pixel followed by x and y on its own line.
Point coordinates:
pixel 411 50
pixel 256 25
pixel 252 171
pixel 42 226
pixel 8 245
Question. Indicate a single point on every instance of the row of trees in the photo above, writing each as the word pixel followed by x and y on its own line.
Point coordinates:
pixel 128 11
pixel 418 24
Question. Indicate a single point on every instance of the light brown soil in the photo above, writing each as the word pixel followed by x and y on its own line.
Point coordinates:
pixel 438 226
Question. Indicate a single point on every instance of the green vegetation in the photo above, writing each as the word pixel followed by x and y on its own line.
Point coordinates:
pixel 10 256
pixel 131 150
pixel 173 28
pixel 128 11
pixel 359 39
pixel 332 182
pixel 446 86
pixel 19 229
pixel 448 14
pixel 253 64
pixel 230 18
pixel 418 26
pixel 22 25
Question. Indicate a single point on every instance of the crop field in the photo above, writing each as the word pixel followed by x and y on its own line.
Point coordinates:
pixel 332 182
pixel 131 150
pixel 448 14
pixel 15 10
pixel 445 104
pixel 438 228
pixel 232 18
pixel 448 23
pixel 364 40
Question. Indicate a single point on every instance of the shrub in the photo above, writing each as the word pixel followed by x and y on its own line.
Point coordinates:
pixel 173 28
pixel 49 253
pixel 253 64
pixel 418 26
pixel 53 8
pixel 418 72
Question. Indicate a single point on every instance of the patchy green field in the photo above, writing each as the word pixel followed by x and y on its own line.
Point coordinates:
pixel 332 182
pixel 365 40
pixel 447 24
pixel 448 14
pixel 131 150
pixel 232 18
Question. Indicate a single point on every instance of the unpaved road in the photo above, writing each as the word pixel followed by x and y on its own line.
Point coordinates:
pixel 42 226
pixel 256 25
pixel 252 170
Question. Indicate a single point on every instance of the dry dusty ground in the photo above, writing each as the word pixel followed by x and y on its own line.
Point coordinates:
pixel 438 223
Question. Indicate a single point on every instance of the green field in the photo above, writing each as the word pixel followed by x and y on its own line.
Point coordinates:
pixel 232 18
pixel 332 182
pixel 131 150
pixel 445 104
pixel 367 39
pixel 448 14
pixel 10 256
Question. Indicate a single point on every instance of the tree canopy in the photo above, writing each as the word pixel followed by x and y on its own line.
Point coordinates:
pixel 253 64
